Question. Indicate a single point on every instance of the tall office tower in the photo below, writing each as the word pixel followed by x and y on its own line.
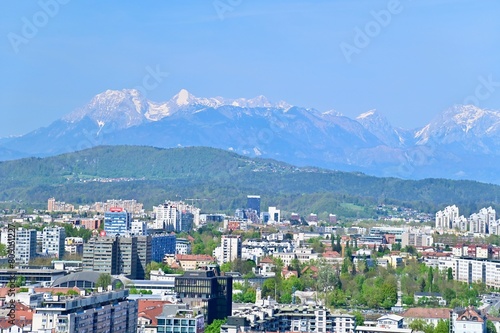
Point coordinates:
pixel 253 203
pixel 118 255
pixel 206 288
pixel 53 241
pixel 117 222
pixel 144 252
pixel 127 256
pixel 100 255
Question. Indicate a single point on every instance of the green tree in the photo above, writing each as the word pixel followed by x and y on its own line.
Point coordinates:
pixel 104 280
pixel 421 325
pixel 449 273
pixel 359 319
pixel 443 326
pixel 490 327
pixel 72 292
pixel 214 327
pixel 20 281
pixel 226 267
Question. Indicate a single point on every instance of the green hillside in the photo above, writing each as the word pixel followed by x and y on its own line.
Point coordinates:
pixel 223 179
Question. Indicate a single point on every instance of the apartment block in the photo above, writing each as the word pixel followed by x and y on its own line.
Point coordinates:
pixel 53 239
pixel 25 248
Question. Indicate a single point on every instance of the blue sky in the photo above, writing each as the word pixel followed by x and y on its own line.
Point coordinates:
pixel 411 64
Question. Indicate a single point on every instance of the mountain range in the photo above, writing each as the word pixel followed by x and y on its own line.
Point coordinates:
pixel 461 143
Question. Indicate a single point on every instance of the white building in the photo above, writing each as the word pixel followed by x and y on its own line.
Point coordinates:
pixel 167 216
pixel 445 217
pixel 73 245
pixel 25 248
pixel 229 250
pixel 274 215
pixel 182 246
pixel 468 320
pixel 138 228
pixel 53 241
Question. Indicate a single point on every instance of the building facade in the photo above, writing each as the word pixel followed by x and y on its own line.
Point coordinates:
pixel 53 242
pixel 102 312
pixel 162 244
pixel 117 222
pixel 25 248
pixel 207 290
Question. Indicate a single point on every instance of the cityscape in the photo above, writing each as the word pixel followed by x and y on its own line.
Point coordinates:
pixel 121 267
pixel 233 166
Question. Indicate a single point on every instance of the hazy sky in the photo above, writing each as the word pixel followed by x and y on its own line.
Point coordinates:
pixel 409 59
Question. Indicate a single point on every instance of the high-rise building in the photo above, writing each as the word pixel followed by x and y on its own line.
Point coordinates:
pixel 117 222
pixel 100 255
pixel 25 248
pixel 229 250
pixel 127 256
pixel 53 241
pixel 160 245
pixel 208 290
pixel 253 203
pixel 144 252
pixel 51 205
pixel 118 255
pixel 167 216
pixel 446 217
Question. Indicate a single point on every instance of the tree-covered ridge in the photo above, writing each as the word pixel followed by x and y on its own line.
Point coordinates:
pixel 152 175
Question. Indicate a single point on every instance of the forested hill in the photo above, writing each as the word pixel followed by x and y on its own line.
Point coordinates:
pixel 221 180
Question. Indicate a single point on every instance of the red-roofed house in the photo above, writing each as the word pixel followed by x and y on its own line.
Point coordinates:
pixel 469 320
pixel 429 315
pixel 147 313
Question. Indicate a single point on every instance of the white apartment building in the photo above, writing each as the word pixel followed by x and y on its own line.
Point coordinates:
pixel 25 248
pixel 167 216
pixel 53 241
pixel 286 257
pixel 445 217
pixel 138 228
pixel 473 270
pixel 229 250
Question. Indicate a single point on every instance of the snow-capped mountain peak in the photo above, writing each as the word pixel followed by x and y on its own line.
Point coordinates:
pixel 367 114
pixel 460 123
pixel 183 98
